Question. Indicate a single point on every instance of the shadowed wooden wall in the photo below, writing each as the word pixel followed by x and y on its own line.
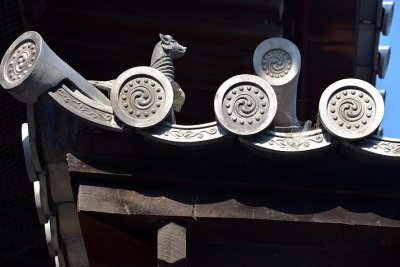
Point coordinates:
pixel 101 39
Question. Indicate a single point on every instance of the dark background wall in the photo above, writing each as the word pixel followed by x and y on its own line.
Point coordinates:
pixel 22 240
pixel 101 39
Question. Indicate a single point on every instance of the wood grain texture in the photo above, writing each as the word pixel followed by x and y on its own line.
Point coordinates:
pixel 239 204
pixel 122 201
pixel 171 245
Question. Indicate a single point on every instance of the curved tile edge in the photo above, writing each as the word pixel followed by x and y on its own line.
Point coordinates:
pixel 380 147
pixel 186 135
pixel 78 104
pixel 290 143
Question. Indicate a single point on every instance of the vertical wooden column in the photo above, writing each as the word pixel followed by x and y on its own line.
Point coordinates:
pixel 171 245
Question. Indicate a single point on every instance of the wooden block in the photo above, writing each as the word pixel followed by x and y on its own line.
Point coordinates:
pixel 130 202
pixel 239 204
pixel 171 245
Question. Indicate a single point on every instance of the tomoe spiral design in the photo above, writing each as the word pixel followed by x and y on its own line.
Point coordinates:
pixel 20 62
pixel 245 104
pixel 138 98
pixel 142 97
pixel 276 63
pixel 351 110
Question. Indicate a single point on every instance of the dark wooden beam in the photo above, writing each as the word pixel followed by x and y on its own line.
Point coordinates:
pixel 228 204
pixel 129 202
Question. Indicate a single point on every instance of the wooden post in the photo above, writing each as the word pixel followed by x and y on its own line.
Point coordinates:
pixel 171 245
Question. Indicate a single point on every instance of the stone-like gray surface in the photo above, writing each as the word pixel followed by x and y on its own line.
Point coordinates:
pixel 30 110
pixel 278 61
pixel 101 115
pixel 290 144
pixel 387 16
pixel 351 109
pixel 70 232
pixel 29 68
pixel 27 153
pixel 49 237
pixel 59 260
pixel 384 59
pixel 186 135
pixel 60 189
pixel 38 203
pixel 245 104
pixel 162 58
pixel 142 97
pixel 378 147
pixel 54 233
pixel 44 196
pixel 164 52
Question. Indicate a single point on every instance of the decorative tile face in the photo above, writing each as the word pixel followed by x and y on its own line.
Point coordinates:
pixel 245 104
pixel 351 109
pixel 309 142
pixel 19 64
pixel 276 63
pixel 142 97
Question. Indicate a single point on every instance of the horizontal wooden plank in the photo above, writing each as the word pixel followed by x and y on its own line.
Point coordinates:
pixel 121 201
pixel 232 204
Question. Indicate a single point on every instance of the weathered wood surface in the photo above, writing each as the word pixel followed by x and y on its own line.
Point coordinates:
pixel 171 245
pixel 225 203
pixel 120 201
